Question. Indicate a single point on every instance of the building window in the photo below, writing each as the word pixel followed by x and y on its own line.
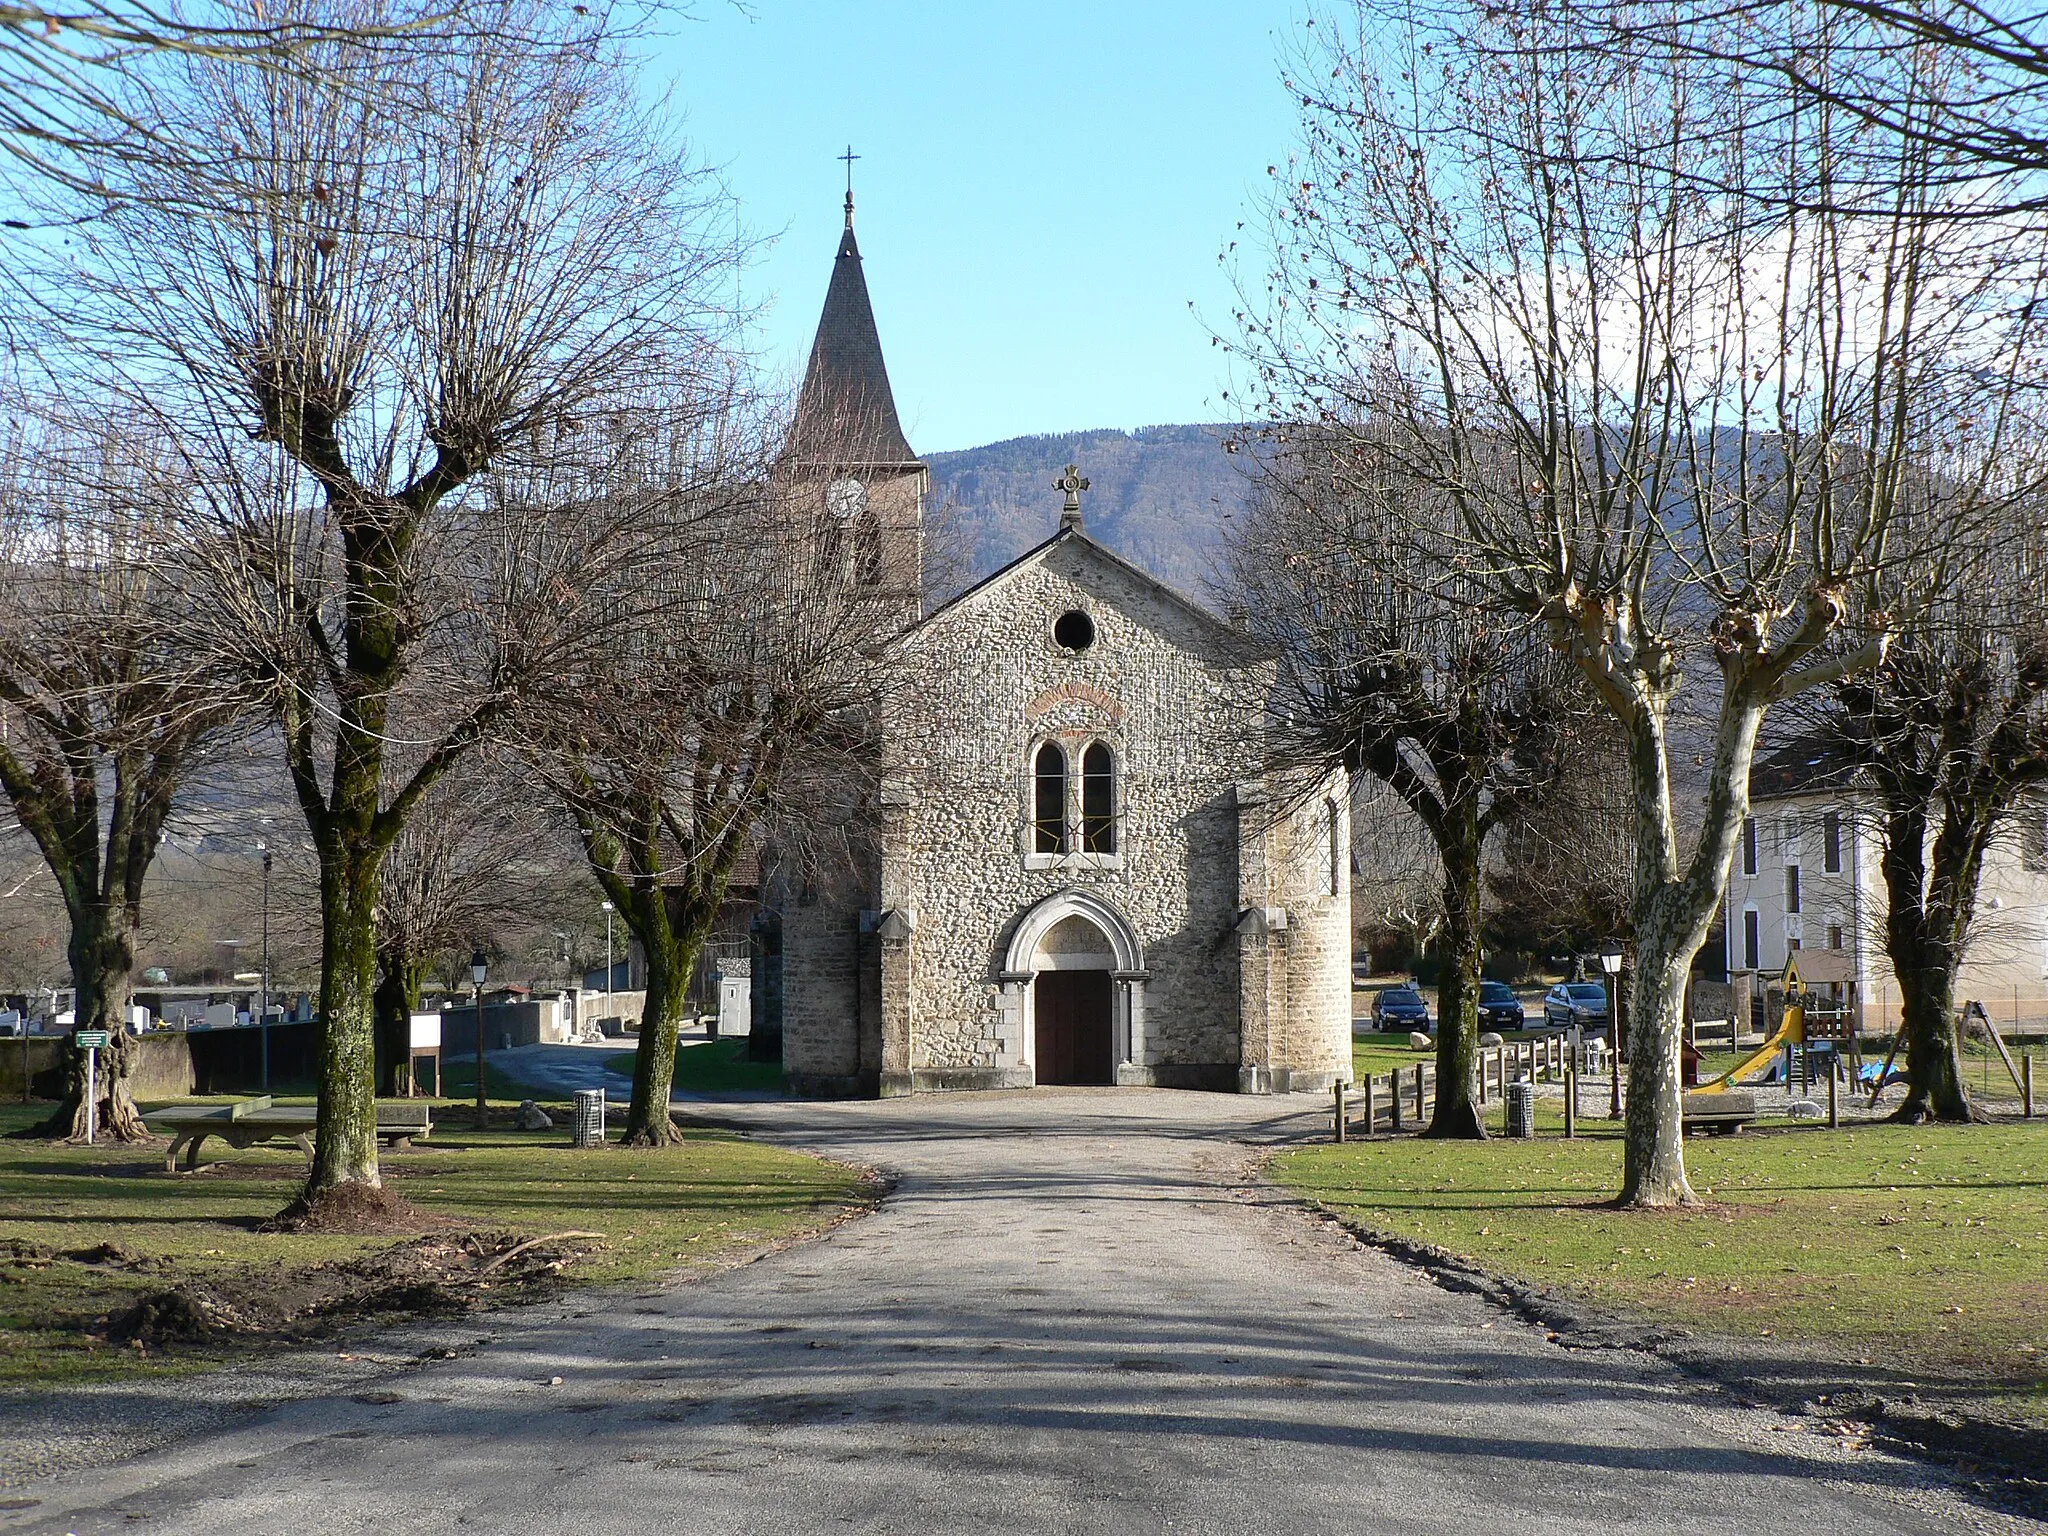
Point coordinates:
pixel 867 548
pixel 1831 846
pixel 1073 631
pixel 1749 845
pixel 1333 824
pixel 1049 819
pixel 1791 890
pixel 2034 835
pixel 1834 935
pixel 1752 939
pixel 1098 800
pixel 1793 944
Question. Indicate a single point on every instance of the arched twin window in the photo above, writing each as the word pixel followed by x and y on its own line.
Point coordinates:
pixel 1049 818
pixel 1053 828
pixel 1098 800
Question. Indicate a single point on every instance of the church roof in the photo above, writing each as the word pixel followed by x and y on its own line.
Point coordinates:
pixel 846 415
pixel 1070 533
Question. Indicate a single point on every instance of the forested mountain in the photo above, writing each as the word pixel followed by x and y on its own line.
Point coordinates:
pixel 1158 496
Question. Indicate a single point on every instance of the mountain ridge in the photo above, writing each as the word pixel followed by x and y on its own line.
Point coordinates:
pixel 1160 496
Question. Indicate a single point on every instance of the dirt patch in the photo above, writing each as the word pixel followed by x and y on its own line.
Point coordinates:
pixel 439 1274
pixel 356 1210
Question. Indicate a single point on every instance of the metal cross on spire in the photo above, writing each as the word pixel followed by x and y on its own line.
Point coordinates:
pixel 1073 482
pixel 849 157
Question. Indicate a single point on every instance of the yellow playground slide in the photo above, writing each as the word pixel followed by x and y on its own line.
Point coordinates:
pixel 1791 1031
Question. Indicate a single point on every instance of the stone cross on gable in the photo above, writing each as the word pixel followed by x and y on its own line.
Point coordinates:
pixel 1073 482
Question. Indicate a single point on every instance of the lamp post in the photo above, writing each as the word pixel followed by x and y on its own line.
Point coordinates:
pixel 263 988
pixel 476 974
pixel 1610 966
pixel 608 909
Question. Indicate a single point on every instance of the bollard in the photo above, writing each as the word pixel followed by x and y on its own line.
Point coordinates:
pixel 1371 1120
pixel 1571 1102
pixel 1420 1113
pixel 1394 1098
pixel 2027 1086
pixel 1337 1091
pixel 1482 1079
pixel 1834 1109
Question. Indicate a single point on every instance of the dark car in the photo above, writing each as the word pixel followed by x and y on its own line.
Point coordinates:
pixel 1583 1003
pixel 1400 1008
pixel 1499 1008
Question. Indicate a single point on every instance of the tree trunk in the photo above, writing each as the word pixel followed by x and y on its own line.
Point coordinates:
pixel 669 965
pixel 345 1131
pixel 1936 1088
pixel 1924 923
pixel 102 955
pixel 1670 912
pixel 1457 1014
pixel 1654 1172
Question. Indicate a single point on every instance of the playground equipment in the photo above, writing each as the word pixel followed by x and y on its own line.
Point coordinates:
pixel 1792 1037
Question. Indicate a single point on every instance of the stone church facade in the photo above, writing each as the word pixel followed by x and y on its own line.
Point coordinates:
pixel 1073 868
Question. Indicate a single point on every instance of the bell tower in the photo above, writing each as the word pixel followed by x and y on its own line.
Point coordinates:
pixel 847 445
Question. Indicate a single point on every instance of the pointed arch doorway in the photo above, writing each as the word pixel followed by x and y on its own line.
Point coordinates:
pixel 1073 983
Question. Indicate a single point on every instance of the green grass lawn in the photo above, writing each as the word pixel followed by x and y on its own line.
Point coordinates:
pixel 712 1066
pixel 1923 1247
pixel 658 1210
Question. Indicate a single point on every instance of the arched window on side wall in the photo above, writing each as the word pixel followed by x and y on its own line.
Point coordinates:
pixel 1098 800
pixel 1049 800
pixel 1333 823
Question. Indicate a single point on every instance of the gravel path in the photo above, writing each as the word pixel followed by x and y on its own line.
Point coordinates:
pixel 1072 1315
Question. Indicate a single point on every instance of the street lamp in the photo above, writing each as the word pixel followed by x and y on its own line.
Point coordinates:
pixel 608 909
pixel 1610 965
pixel 263 989
pixel 476 974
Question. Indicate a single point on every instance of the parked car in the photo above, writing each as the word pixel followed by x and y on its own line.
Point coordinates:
pixel 1399 1008
pixel 1583 1003
pixel 1499 1008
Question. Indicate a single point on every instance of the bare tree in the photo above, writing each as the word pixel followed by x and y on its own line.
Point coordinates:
pixel 739 693
pixel 1982 117
pixel 450 264
pixel 462 874
pixel 1390 668
pixel 1675 400
pixel 103 714
pixel 1951 735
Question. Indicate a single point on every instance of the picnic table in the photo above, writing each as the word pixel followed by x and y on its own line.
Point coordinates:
pixel 248 1122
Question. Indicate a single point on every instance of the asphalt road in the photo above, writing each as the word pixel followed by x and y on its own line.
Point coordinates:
pixel 1071 1316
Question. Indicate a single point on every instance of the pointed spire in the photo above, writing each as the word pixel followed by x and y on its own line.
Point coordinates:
pixel 846 415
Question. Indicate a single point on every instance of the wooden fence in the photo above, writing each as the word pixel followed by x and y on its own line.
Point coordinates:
pixel 1401 1100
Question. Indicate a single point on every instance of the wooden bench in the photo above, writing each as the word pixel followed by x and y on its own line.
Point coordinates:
pixel 249 1122
pixel 1720 1114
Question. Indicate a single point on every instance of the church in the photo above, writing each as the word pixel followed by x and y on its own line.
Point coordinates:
pixel 1076 868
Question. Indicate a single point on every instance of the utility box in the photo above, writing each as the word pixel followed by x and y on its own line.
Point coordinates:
pixel 735 1001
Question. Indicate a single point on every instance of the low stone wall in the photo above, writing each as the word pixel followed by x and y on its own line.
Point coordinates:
pixel 163 1066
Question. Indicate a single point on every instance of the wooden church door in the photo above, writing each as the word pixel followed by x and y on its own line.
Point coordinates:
pixel 1073 1027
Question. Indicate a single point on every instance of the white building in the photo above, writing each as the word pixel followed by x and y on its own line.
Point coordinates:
pixel 1807 877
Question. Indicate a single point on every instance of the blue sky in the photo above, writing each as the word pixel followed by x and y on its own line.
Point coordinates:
pixel 1043 189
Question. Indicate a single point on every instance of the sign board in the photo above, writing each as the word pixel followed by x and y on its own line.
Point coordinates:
pixel 426 1031
pixel 91 1039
